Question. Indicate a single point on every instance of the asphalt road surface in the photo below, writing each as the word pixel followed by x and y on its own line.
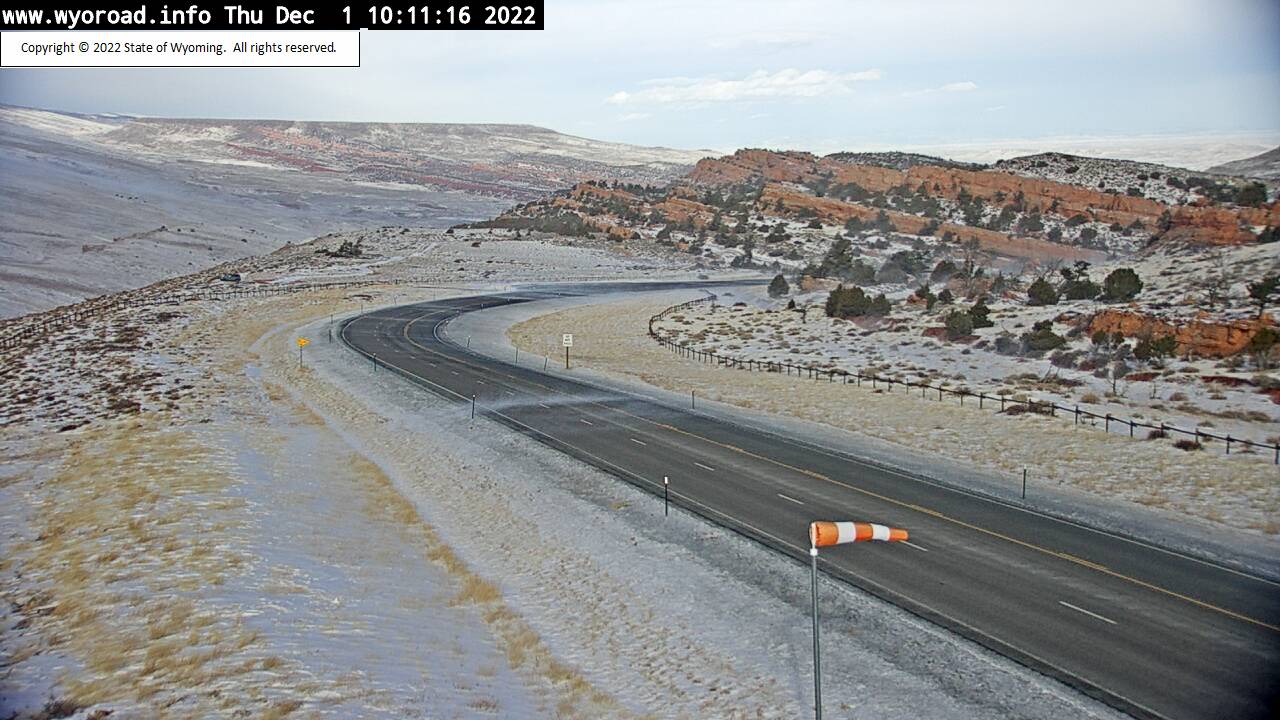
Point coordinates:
pixel 1151 632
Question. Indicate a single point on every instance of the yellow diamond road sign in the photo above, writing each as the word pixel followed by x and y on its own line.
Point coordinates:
pixel 303 342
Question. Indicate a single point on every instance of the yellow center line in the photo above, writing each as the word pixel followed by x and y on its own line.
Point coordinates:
pixel 884 498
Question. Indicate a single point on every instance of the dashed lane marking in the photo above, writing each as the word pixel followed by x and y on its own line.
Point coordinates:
pixel 1094 615
pixel 869 493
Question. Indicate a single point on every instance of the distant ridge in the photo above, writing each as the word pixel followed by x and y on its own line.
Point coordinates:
pixel 94 203
pixel 1265 166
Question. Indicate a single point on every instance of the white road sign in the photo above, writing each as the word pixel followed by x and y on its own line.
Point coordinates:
pixel 568 339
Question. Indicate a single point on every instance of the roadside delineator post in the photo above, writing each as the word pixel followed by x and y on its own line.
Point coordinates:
pixel 666 496
pixel 1024 483
pixel 825 534
pixel 473 406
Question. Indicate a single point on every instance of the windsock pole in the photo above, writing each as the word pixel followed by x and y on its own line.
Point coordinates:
pixel 825 534
pixel 817 653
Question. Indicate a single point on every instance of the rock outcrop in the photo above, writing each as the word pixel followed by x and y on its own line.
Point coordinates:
pixel 1201 335
pixel 1208 224
pixel 839 211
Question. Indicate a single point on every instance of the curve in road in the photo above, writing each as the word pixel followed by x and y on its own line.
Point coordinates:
pixel 1151 632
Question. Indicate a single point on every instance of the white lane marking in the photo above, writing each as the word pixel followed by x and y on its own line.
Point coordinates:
pixel 638 442
pixel 791 499
pixel 455 372
pixel 792 546
pixel 705 467
pixel 588 422
pixel 544 405
pixel 1086 612
pixel 480 382
pixel 911 544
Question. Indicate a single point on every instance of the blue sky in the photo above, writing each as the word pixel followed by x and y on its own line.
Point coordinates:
pixel 800 74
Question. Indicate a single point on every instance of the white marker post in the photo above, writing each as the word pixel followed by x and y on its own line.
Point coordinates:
pixel 824 534
pixel 567 340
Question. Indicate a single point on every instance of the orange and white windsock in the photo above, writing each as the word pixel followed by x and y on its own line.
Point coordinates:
pixel 823 533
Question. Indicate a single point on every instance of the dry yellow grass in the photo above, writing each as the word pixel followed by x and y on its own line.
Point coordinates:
pixel 525 650
pixel 128 500
pixel 138 522
pixel 611 338
pixel 135 523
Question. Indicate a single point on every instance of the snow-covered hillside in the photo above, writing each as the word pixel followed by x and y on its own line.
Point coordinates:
pixel 96 203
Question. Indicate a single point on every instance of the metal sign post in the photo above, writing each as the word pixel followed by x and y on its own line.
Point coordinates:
pixel 567 340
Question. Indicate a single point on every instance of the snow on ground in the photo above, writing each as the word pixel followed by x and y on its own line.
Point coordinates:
pixel 432 256
pixel 1179 398
pixel 230 555
pixel 1157 182
pixel 1197 152
pixel 620 592
pixel 218 531
pixel 182 538
pixel 1218 396
pixel 53 122
pixel 1239 492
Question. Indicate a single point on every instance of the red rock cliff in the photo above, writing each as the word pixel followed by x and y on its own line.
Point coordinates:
pixel 1201 223
pixel 1202 336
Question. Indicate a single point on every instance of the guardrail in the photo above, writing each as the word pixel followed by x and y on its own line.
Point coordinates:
pixel 926 389
pixel 43 324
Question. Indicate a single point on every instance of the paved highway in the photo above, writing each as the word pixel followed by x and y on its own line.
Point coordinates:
pixel 1151 632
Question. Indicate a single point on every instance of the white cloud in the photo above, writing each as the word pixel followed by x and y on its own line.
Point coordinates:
pixel 631 117
pixel 954 87
pixel 759 85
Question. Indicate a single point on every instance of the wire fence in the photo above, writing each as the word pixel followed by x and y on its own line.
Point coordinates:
pixel 983 400
pixel 40 325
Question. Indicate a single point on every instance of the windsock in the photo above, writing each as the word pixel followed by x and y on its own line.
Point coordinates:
pixel 823 533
